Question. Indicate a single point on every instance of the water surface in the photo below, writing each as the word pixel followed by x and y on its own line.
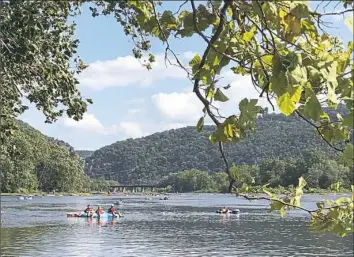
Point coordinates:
pixel 186 225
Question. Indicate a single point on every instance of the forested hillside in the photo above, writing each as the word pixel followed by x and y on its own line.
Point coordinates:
pixel 148 159
pixel 41 163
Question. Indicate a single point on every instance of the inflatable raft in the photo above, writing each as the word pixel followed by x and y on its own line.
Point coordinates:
pixel 237 211
pixel 85 215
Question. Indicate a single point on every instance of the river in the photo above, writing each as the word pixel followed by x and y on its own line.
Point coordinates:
pixel 185 225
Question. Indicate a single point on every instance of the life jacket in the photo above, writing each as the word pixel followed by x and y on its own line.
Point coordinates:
pixel 88 210
pixel 112 210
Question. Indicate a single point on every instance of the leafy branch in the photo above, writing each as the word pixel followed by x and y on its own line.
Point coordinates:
pixel 318 129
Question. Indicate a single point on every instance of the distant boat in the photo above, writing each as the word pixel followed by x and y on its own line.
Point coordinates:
pixel 236 211
pixel 28 198
pixel 21 198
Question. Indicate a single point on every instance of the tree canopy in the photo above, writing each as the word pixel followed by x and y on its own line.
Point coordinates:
pixel 40 164
pixel 38 62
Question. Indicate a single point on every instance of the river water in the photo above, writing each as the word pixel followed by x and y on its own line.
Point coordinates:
pixel 185 225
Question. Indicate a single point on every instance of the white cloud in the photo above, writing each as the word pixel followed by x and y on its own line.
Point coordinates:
pixel 131 129
pixel 189 54
pixel 178 106
pixel 88 122
pixel 186 108
pixel 241 87
pixel 135 111
pixel 137 101
pixel 125 71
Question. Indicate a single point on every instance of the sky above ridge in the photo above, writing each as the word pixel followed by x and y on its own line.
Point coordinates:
pixel 129 101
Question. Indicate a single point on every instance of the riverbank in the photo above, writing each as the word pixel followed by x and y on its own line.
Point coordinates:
pixel 280 190
pixel 46 194
pixel 82 194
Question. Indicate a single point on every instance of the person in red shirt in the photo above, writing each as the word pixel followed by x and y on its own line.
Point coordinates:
pixel 113 210
pixel 99 210
pixel 89 209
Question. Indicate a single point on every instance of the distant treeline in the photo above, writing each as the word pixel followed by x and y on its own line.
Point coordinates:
pixel 319 169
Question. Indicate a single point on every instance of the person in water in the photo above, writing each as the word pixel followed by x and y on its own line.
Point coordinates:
pixel 113 210
pixel 99 210
pixel 89 209
pixel 224 210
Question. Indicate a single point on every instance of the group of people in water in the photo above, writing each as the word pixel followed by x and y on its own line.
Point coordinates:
pixel 99 210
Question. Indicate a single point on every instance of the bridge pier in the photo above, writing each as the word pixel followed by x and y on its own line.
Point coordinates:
pixel 133 188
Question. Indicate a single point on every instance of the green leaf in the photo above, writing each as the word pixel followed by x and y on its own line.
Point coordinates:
pixel 349 22
pixel 168 19
pixel 332 97
pixel 332 74
pixel 247 36
pixel 267 59
pixel 228 130
pixel 276 61
pixel 282 211
pixel 301 10
pixel 279 83
pixel 298 76
pixel 194 63
pixel 267 192
pixel 312 109
pixel 286 104
pixel 302 182
pixel 292 24
pixel 200 124
pixel 239 70
pixel 219 96
pixel 275 205
pixel 296 95
pixel 320 205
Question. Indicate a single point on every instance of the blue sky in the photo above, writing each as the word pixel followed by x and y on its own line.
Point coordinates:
pixel 129 101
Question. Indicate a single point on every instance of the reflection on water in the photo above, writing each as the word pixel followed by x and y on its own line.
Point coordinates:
pixel 184 226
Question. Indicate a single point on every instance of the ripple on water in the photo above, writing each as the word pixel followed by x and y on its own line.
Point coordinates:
pixel 184 226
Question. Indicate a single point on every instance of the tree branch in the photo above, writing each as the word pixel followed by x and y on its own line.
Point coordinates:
pixel 318 130
pixel 291 205
pixel 197 77
pixel 166 40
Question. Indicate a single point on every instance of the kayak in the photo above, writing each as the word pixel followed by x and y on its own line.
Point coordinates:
pixel 85 215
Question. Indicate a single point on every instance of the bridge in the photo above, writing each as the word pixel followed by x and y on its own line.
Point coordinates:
pixel 132 188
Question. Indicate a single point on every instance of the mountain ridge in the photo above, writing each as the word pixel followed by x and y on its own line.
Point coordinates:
pixel 153 157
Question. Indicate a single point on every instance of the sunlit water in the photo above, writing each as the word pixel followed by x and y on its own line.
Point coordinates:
pixel 186 225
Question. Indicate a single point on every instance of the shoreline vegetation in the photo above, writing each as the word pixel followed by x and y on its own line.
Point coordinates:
pixel 160 191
